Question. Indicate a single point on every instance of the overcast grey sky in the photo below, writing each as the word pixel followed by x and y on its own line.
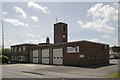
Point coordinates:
pixel 32 22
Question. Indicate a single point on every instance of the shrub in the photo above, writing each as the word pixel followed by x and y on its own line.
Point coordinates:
pixel 4 59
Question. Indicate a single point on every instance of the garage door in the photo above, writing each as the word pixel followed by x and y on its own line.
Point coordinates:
pixel 58 56
pixel 45 56
pixel 35 56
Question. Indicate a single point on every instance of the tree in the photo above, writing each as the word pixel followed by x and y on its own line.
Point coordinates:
pixel 7 52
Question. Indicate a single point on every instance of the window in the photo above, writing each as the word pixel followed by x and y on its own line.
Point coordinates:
pixel 63 28
pixel 22 58
pixel 19 57
pixel 92 58
pixel 63 35
pixel 12 58
pixel 16 57
pixel 23 48
pixel 12 49
pixel 105 47
pixel 19 49
pixel 63 40
pixel 15 49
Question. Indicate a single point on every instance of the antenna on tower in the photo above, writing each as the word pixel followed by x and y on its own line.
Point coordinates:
pixel 56 19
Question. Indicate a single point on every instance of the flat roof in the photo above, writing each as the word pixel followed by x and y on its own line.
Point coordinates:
pixel 57 44
pixel 50 44
pixel 88 41
pixel 60 23
pixel 25 44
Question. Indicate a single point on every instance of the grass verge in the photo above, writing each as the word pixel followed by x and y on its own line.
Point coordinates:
pixel 115 75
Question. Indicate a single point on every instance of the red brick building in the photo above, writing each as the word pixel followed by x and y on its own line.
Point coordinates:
pixel 21 52
pixel 78 53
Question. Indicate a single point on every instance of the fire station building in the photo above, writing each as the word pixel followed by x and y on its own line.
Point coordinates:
pixel 78 53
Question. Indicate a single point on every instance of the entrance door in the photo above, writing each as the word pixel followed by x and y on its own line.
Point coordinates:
pixel 58 56
pixel 45 56
pixel 35 56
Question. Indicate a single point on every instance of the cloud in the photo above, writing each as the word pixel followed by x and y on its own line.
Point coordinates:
pixel 37 26
pixel 35 41
pixel 8 43
pixel 102 16
pixel 15 22
pixel 96 40
pixel 106 36
pixel 97 25
pixel 106 12
pixel 34 18
pixel 21 11
pixel 3 13
pixel 31 35
pixel 24 15
pixel 34 38
pixel 38 7
pixel 93 40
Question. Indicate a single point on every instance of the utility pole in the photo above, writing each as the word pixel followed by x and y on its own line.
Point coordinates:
pixel 2 39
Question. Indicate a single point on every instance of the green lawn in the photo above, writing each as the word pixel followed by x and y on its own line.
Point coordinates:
pixel 115 75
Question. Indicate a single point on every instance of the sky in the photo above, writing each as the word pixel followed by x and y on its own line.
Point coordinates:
pixel 32 22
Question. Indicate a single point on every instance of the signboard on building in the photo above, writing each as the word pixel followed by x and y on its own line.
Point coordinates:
pixel 73 49
pixel 81 55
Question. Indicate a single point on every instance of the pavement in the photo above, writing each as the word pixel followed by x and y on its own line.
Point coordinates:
pixel 53 71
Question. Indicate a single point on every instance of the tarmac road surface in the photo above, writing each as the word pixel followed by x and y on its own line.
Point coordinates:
pixel 52 71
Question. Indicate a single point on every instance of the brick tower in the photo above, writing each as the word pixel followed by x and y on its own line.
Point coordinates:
pixel 60 32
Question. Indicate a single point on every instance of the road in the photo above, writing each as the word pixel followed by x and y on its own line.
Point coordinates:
pixel 51 71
